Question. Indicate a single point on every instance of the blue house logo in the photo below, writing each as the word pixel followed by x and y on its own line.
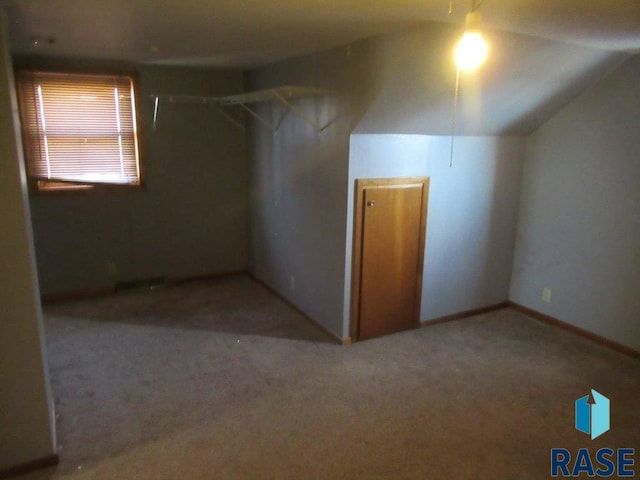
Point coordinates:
pixel 592 414
pixel 592 418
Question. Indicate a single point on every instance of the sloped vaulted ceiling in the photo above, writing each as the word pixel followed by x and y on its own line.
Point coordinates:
pixel 523 83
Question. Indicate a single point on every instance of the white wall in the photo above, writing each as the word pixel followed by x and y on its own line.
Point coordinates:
pixel 298 181
pixel 472 213
pixel 26 408
pixel 579 226
pixel 189 220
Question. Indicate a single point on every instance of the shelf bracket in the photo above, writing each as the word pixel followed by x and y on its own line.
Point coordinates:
pixel 259 118
pixel 284 114
pixel 299 113
pixel 226 115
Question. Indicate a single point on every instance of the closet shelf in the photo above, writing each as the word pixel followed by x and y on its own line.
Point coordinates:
pixel 279 94
pixel 270 94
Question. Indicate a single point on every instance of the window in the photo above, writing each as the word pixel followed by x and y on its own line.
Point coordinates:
pixel 79 131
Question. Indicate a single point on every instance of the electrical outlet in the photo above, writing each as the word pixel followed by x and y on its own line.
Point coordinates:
pixel 292 283
pixel 546 295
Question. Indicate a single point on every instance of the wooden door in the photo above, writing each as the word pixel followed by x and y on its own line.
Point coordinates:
pixel 388 255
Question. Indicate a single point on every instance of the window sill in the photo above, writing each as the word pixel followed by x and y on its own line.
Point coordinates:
pixel 83 189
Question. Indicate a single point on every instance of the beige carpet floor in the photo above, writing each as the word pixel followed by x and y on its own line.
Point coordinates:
pixel 222 380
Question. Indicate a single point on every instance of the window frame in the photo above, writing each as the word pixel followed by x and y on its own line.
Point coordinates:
pixel 76 188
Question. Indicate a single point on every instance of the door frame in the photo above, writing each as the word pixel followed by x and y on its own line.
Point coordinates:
pixel 358 224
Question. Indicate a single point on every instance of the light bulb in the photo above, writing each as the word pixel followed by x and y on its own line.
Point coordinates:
pixel 471 51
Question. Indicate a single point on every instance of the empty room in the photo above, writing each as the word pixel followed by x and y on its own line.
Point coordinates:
pixel 300 239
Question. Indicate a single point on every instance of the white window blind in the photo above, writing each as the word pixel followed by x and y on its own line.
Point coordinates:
pixel 79 130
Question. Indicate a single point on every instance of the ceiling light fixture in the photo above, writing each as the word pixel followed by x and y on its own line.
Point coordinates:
pixel 470 52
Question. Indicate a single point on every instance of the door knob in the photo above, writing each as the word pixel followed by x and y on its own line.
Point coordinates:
pixel 371 203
